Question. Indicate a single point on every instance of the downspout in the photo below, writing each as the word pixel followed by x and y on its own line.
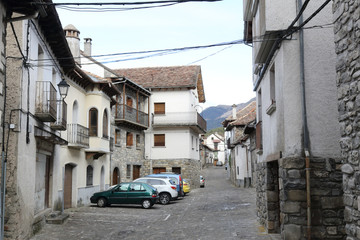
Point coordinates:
pixel 305 126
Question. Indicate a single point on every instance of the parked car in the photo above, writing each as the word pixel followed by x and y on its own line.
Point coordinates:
pixel 173 176
pixel 219 163
pixel 127 193
pixel 186 186
pixel 202 181
pixel 166 188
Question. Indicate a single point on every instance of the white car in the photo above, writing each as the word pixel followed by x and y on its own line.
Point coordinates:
pixel 165 187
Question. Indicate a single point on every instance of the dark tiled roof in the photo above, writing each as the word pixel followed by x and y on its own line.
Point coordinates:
pixel 245 115
pixel 166 77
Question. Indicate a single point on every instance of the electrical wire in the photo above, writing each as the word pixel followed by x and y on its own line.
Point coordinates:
pixel 114 9
pixel 118 3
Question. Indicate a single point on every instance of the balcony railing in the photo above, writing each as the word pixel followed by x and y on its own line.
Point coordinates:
pixel 128 114
pixel 45 101
pixel 180 119
pixel 78 136
pixel 60 123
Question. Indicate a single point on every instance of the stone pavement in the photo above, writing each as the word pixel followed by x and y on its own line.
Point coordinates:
pixel 218 211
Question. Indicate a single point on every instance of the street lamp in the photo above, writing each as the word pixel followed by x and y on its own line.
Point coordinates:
pixel 63 88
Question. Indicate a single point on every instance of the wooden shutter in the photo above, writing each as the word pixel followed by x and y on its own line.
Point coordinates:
pixel 159 139
pixel 129 139
pixel 159 108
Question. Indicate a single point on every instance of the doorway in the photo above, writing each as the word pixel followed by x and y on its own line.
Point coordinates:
pixel 116 176
pixel 136 171
pixel 68 186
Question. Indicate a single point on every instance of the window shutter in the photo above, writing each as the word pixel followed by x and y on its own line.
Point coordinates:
pixel 129 139
pixel 159 139
pixel 159 108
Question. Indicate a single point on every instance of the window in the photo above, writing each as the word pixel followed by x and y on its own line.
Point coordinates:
pixel 159 108
pixel 105 125
pixel 117 136
pixel 124 187
pixel 216 146
pixel 137 187
pixel 89 176
pixel 159 139
pixel 237 168
pixel 93 122
pixel 192 142
pixel 259 105
pixel 128 171
pixel 129 139
pixel 137 141
pixel 176 170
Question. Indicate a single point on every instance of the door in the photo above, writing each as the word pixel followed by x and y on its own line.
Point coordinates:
pixel 116 176
pixel 159 170
pixel 136 171
pixel 136 193
pixel 68 186
pixel 119 194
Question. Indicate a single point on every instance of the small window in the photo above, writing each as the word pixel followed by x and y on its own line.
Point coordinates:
pixel 128 171
pixel 192 142
pixel 136 187
pixel 124 187
pixel 176 170
pixel 137 141
pixel 129 139
pixel 117 136
pixel 89 176
pixel 159 108
pixel 237 170
pixel 159 139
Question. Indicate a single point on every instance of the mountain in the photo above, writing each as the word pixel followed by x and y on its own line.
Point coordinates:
pixel 215 115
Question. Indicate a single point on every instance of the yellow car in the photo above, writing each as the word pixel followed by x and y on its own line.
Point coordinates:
pixel 186 186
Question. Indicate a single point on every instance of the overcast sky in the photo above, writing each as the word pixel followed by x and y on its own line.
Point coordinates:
pixel 226 70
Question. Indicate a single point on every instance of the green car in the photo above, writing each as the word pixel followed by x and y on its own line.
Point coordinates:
pixel 127 193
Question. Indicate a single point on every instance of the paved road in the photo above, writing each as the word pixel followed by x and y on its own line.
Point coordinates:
pixel 218 211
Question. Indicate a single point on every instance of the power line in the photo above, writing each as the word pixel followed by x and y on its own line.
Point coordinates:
pixel 113 9
pixel 118 3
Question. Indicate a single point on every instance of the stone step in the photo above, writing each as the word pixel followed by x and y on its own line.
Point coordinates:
pixel 57 218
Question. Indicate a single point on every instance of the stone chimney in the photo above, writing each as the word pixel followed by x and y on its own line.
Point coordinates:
pixel 73 39
pixel 234 111
pixel 87 46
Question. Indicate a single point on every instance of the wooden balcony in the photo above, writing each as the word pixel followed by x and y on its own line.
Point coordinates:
pixel 125 115
pixel 78 136
pixel 60 123
pixel 45 101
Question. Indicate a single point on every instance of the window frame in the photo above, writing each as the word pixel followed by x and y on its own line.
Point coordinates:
pixel 93 128
pixel 89 175
pixel 129 139
pixel 117 137
pixel 105 125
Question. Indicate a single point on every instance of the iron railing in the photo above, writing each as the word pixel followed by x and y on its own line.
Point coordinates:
pixel 60 122
pixel 78 135
pixel 45 101
pixel 124 112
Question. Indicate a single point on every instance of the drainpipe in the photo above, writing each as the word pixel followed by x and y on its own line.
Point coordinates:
pixel 305 126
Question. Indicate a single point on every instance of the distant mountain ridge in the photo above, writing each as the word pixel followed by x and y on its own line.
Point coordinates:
pixel 215 115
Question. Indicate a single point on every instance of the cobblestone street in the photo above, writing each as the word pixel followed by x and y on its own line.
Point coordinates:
pixel 218 211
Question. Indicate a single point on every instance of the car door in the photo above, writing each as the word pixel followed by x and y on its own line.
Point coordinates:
pixel 136 193
pixel 119 194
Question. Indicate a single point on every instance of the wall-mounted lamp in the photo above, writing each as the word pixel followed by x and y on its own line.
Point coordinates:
pixel 63 88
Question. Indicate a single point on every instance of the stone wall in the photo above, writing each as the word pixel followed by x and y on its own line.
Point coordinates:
pixel 347 48
pixel 190 168
pixel 281 198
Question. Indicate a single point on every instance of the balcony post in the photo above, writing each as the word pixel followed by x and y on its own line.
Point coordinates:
pixel 124 101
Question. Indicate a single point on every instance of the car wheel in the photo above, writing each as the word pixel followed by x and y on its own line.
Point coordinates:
pixel 101 202
pixel 164 198
pixel 146 204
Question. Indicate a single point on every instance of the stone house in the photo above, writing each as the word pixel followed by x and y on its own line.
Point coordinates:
pixel 38 60
pixel 239 144
pixel 128 114
pixel 173 137
pixel 299 182
pixel 346 29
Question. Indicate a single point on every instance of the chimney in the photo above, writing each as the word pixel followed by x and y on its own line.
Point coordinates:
pixel 234 111
pixel 87 46
pixel 72 37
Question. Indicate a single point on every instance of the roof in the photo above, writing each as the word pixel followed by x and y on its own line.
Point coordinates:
pixel 166 77
pixel 245 115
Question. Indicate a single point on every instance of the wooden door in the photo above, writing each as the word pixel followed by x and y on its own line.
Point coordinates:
pixel 68 186
pixel 116 176
pixel 136 171
pixel 159 170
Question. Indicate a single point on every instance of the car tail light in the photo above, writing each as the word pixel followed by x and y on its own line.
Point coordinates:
pixel 173 187
pixel 154 195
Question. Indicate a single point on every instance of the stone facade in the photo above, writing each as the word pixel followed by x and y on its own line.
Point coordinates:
pixel 190 168
pixel 282 203
pixel 347 45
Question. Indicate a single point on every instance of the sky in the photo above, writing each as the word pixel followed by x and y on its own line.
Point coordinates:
pixel 226 70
